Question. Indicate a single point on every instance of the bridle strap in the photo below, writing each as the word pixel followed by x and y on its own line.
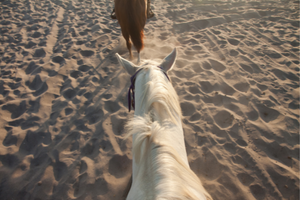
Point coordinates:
pixel 164 72
pixel 130 94
pixel 131 90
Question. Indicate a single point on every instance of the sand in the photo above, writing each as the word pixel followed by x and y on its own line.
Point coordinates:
pixel 63 96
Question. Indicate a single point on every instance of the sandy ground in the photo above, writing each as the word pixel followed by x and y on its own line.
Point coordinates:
pixel 63 101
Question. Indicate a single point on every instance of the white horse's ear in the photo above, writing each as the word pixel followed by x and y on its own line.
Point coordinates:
pixel 169 61
pixel 128 66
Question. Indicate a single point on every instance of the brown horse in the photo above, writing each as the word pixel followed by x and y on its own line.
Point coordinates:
pixel 132 16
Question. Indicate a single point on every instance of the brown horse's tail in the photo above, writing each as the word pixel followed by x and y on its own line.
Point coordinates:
pixel 132 17
pixel 136 23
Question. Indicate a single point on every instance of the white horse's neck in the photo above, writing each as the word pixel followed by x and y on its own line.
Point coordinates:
pixel 160 164
pixel 159 171
pixel 156 97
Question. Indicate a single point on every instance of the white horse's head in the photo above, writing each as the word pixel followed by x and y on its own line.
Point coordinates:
pixel 151 85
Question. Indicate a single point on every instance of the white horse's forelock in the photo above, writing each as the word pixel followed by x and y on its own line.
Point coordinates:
pixel 158 89
pixel 170 176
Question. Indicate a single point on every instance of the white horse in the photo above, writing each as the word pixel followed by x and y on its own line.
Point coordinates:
pixel 160 164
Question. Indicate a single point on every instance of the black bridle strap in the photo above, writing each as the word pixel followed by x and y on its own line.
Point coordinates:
pixel 131 90
pixel 130 94
pixel 164 72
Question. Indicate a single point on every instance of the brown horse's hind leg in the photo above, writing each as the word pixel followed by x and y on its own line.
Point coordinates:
pixel 139 58
pixel 128 43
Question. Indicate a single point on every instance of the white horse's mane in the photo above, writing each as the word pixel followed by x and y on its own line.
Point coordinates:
pixel 172 178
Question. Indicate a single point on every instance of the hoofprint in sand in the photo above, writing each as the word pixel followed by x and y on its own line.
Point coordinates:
pixel 64 106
